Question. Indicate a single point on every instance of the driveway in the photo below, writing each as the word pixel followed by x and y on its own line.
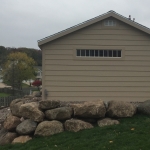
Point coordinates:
pixel 2 85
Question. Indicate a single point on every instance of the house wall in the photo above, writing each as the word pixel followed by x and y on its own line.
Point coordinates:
pixel 66 77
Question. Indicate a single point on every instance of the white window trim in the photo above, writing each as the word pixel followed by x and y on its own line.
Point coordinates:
pixel 98 48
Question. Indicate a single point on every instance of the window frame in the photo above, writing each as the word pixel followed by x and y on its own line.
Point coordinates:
pixel 108 48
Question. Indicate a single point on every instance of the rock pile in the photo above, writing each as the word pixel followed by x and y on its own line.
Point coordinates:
pixel 45 118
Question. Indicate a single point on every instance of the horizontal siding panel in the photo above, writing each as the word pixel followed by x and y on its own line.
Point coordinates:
pixel 98 94
pixel 139 58
pixel 55 57
pixel 100 42
pixel 104 98
pixel 107 84
pixel 96 63
pixel 98 73
pixel 95 79
pixel 112 31
pixel 128 47
pixel 58 52
pixel 137 53
pixel 97 89
pixel 95 68
pixel 70 57
pixel 107 37
pixel 49 47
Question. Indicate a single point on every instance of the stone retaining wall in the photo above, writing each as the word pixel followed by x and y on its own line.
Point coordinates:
pixel 30 116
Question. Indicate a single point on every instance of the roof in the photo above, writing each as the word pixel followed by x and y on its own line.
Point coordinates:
pixel 92 21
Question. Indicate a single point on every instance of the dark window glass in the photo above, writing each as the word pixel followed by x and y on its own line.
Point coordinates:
pixel 101 53
pixel 92 53
pixel 87 53
pixel 96 53
pixel 105 53
pixel 82 52
pixel 78 52
pixel 110 53
pixel 119 53
pixel 114 53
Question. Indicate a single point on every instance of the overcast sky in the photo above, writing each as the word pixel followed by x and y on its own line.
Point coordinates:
pixel 23 22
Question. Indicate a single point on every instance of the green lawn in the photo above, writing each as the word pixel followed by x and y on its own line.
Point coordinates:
pixel 131 134
pixel 4 95
pixel 23 84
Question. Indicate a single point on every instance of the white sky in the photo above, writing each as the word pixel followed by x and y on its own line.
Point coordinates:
pixel 23 22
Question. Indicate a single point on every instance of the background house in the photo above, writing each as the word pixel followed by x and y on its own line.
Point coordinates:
pixel 107 57
pixel 39 72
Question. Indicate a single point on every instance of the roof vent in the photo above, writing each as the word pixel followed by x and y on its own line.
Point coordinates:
pixel 133 19
pixel 129 17
pixel 111 11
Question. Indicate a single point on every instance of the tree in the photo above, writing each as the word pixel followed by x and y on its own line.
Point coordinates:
pixel 3 54
pixel 17 68
pixel 37 83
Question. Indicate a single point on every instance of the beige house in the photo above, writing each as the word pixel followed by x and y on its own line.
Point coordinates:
pixel 107 57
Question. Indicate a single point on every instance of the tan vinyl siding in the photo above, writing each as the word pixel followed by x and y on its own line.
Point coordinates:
pixel 67 78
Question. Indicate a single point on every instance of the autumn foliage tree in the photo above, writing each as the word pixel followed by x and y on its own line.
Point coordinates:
pixel 37 83
pixel 17 68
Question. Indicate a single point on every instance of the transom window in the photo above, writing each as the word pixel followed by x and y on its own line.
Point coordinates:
pixel 98 53
pixel 109 23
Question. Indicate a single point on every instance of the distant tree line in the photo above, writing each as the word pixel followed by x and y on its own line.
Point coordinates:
pixel 33 53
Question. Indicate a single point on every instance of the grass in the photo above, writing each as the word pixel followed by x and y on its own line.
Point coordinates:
pixel 4 95
pixel 132 134
pixel 23 84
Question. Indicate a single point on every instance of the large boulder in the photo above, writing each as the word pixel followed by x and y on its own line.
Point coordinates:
pixel 107 122
pixel 31 111
pixel 144 107
pixel 26 127
pixel 61 113
pixel 94 109
pixel 47 128
pixel 4 113
pixel 49 104
pixel 15 106
pixel 76 125
pixel 120 109
pixel 6 137
pixel 11 123
pixel 21 139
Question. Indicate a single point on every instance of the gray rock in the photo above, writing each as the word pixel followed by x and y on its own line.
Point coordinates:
pixel 15 106
pixel 144 107
pixel 4 113
pixel 26 127
pixel 61 113
pixel 107 122
pixel 49 104
pixel 31 111
pixel 47 128
pixel 6 137
pixel 11 123
pixel 36 94
pixel 76 125
pixel 120 109
pixel 94 109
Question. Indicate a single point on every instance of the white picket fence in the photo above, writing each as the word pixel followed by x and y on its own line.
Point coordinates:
pixel 5 101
